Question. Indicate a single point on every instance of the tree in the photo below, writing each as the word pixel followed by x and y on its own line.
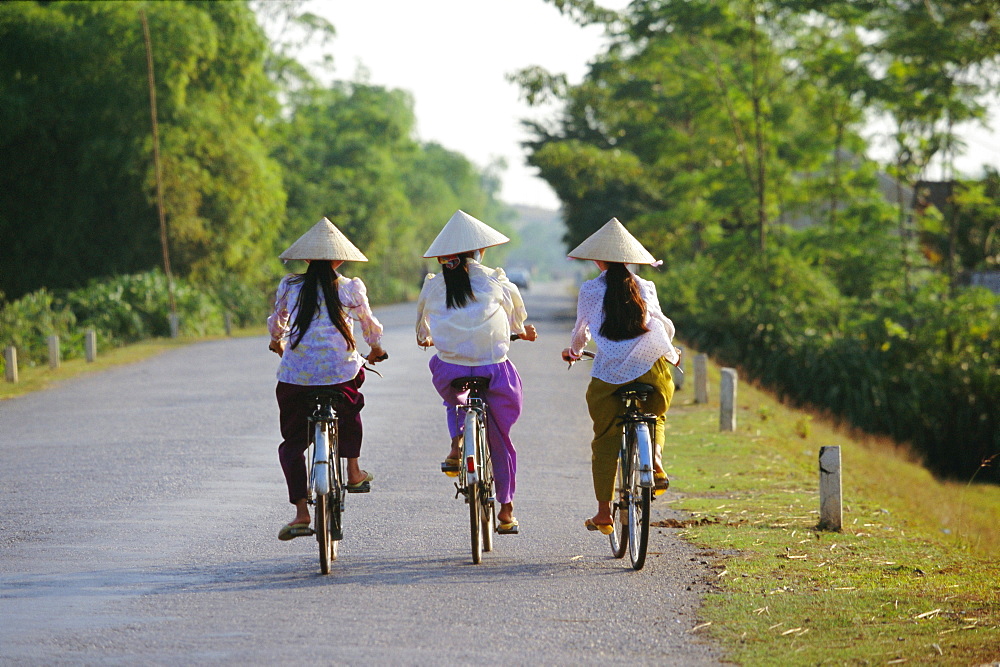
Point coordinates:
pixel 75 142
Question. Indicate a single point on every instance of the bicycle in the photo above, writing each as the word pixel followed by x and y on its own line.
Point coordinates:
pixel 327 486
pixel 326 474
pixel 634 479
pixel 475 476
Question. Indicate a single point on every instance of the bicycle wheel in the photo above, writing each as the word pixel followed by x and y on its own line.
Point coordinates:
pixel 321 522
pixel 327 547
pixel 619 510
pixel 470 449
pixel 638 508
pixel 486 501
pixel 337 493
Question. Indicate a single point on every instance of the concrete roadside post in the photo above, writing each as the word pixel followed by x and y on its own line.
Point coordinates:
pixel 727 400
pixel 830 504
pixel 700 378
pixel 10 357
pixel 90 346
pixel 228 324
pixel 54 358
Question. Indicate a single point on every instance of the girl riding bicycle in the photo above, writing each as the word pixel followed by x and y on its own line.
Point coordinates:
pixel 634 344
pixel 312 329
pixel 468 312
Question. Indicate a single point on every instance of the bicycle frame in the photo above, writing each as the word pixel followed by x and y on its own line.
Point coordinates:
pixel 321 477
pixel 475 482
pixel 475 411
pixel 644 442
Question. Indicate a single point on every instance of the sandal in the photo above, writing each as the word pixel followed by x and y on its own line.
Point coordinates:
pixel 660 483
pixel 605 528
pixel 363 486
pixel 508 527
pixel 292 530
pixel 451 466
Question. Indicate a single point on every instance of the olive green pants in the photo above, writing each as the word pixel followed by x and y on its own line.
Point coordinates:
pixel 605 408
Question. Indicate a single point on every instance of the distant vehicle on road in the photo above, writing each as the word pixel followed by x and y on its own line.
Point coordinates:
pixel 520 277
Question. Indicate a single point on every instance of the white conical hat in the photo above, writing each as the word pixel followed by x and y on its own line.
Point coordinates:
pixel 613 243
pixel 324 241
pixel 462 234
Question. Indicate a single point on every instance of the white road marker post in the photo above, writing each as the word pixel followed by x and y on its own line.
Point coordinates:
pixel 90 346
pixel 830 506
pixel 727 400
pixel 10 357
pixel 54 358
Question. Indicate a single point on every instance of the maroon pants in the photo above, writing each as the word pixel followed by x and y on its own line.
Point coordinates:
pixel 294 412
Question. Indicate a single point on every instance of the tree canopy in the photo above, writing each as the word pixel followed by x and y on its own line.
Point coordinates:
pixel 254 150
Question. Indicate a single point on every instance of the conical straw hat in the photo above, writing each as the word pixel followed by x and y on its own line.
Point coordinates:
pixel 613 243
pixel 324 241
pixel 462 234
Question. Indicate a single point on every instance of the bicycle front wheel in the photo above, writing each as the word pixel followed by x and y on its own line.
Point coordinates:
pixel 619 510
pixel 638 507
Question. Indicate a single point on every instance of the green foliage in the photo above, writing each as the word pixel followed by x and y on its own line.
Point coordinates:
pixel 28 322
pixel 121 310
pixel 75 136
pixel 348 154
pixel 921 367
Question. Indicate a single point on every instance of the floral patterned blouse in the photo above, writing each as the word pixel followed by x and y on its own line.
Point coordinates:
pixel 322 356
pixel 621 361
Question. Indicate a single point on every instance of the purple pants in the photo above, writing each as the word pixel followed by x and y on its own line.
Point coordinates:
pixel 503 400
pixel 294 412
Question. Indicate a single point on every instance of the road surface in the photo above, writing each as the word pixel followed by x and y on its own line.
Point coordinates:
pixel 140 508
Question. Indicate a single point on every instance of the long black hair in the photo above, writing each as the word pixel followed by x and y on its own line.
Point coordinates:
pixel 320 274
pixel 457 285
pixel 624 308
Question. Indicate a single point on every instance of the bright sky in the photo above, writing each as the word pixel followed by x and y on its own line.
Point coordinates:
pixel 453 57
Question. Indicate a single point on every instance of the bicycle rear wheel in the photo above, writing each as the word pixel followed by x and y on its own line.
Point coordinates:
pixel 470 448
pixel 337 494
pixel 327 550
pixel 619 511
pixel 638 507
pixel 321 522
pixel 486 501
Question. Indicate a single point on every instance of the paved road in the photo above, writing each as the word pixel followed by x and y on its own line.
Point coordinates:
pixel 139 509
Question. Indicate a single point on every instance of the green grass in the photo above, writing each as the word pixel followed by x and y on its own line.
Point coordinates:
pixel 913 577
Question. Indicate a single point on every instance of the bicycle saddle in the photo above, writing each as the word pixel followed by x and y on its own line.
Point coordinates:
pixel 335 395
pixel 635 388
pixel 474 382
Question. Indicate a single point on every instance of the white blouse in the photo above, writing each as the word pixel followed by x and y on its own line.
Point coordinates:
pixel 478 333
pixel 621 361
pixel 322 356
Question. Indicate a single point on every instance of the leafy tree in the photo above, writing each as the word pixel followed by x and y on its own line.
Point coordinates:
pixel 348 154
pixel 75 142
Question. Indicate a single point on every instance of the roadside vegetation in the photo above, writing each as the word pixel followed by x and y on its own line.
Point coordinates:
pixel 912 578
pixel 733 138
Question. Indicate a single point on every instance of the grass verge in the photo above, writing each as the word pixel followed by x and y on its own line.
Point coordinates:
pixel 912 578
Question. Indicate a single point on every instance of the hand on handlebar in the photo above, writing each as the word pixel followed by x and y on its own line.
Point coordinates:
pixel 426 343
pixel 376 355
pixel 277 346
pixel 571 358
pixel 530 333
